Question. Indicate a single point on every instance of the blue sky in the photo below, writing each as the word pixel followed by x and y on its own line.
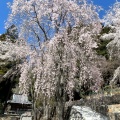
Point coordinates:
pixel 4 10
pixel 105 4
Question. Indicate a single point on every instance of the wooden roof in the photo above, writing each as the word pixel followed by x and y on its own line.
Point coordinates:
pixel 20 99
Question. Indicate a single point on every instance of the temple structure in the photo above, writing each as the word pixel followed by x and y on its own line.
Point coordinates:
pixel 19 104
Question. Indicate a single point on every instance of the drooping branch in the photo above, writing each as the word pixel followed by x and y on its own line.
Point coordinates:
pixel 37 20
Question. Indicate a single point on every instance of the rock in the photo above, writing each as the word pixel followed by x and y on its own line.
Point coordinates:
pixel 85 113
pixel 117 116
pixel 114 112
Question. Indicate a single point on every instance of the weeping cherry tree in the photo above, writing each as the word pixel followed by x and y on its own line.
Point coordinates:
pixel 60 38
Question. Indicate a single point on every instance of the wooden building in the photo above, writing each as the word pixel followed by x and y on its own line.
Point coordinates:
pixel 18 105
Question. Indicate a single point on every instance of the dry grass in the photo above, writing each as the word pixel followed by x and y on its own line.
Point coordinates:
pixel 107 92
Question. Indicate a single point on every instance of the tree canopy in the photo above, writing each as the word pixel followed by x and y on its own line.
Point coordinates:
pixel 56 46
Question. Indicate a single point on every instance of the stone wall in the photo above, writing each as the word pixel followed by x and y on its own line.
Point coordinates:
pixel 106 105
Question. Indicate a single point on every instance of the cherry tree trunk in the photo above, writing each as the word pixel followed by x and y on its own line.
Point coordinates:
pixel 60 111
pixel 60 97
